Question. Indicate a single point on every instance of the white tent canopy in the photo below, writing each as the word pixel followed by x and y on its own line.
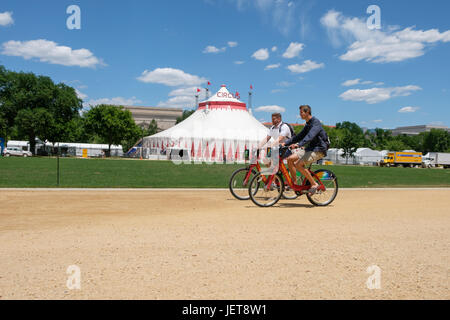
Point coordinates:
pixel 221 128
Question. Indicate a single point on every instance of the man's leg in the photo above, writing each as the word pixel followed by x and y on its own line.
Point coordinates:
pixel 291 160
pixel 301 167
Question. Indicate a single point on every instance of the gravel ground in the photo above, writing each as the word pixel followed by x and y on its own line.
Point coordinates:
pixel 203 244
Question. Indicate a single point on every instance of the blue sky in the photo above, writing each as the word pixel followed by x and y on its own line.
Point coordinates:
pixel 156 53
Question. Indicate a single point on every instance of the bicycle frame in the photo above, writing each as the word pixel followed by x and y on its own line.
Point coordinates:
pixel 298 188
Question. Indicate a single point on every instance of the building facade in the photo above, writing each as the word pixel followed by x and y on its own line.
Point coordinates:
pixel 415 130
pixel 164 117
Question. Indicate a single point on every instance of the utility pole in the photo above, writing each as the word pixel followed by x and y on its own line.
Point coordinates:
pixel 250 102
pixel 57 165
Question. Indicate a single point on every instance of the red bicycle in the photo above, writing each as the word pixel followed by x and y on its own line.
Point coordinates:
pixel 240 178
pixel 266 188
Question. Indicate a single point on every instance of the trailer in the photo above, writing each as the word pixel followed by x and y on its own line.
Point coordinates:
pixel 405 159
pixel 436 159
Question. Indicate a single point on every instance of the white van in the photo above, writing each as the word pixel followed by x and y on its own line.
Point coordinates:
pixel 15 151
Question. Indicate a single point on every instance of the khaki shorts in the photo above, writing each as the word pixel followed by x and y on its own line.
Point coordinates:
pixel 308 157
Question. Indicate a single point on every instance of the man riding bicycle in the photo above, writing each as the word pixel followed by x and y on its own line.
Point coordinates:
pixel 315 136
pixel 279 132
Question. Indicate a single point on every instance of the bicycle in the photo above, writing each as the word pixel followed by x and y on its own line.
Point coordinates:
pixel 240 178
pixel 265 191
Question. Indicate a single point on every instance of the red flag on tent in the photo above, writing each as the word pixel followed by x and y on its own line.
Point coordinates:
pixel 230 153
pixel 199 150
pixel 207 152
pixel 209 83
pixel 213 155
pixel 237 95
pixel 251 87
pixel 198 90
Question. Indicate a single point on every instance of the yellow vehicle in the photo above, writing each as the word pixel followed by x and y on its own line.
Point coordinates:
pixel 406 159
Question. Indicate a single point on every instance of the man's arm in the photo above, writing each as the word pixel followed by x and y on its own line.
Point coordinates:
pixel 263 142
pixel 297 137
pixel 315 130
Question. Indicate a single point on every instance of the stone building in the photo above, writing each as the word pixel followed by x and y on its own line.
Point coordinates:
pixel 164 117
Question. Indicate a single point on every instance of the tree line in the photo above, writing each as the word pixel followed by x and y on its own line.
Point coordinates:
pixel 33 106
pixel 348 136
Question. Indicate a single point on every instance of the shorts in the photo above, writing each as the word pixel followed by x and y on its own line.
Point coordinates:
pixel 308 157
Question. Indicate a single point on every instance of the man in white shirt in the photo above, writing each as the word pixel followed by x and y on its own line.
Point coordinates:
pixel 279 132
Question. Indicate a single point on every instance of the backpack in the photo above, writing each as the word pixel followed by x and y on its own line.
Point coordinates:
pixel 289 126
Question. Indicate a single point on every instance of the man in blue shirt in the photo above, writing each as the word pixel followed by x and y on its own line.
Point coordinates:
pixel 316 138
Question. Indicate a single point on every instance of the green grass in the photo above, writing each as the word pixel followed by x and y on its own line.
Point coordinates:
pixel 122 173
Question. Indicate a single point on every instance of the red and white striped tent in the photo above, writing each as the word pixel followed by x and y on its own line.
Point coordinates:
pixel 221 128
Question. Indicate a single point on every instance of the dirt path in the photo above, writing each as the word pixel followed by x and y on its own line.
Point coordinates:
pixel 206 245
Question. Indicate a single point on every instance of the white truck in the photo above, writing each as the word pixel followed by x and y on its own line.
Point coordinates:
pixel 436 159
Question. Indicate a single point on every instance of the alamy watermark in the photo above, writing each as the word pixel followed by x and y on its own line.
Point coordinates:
pixel 374 21
pixel 74 279
pixel 74 20
pixel 374 281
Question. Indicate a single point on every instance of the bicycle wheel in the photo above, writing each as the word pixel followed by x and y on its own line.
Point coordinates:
pixel 262 196
pixel 238 186
pixel 288 193
pixel 329 180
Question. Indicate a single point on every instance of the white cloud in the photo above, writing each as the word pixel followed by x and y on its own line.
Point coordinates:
pixel 261 54
pixel 80 94
pixel 350 83
pixel 239 62
pixel 119 101
pixel 178 102
pixel 171 77
pixel 436 123
pixel 180 98
pixel 408 109
pixel 354 82
pixel 51 52
pixel 6 19
pixel 378 121
pixel 285 84
pixel 213 49
pixel 232 44
pixel 274 48
pixel 270 109
pixel 272 66
pixel 378 46
pixel 307 66
pixel 277 90
pixel 293 50
pixel 191 91
pixel 376 95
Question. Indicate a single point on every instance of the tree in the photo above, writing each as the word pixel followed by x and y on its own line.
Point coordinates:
pixel 111 123
pixel 436 140
pixel 396 145
pixel 21 91
pixel 186 114
pixel 348 143
pixel 33 121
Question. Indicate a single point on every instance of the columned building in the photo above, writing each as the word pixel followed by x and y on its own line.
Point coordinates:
pixel 164 117
pixel 415 130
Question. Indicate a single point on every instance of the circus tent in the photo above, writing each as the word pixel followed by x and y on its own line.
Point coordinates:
pixel 221 129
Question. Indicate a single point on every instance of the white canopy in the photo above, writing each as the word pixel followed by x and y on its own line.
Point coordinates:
pixel 221 128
